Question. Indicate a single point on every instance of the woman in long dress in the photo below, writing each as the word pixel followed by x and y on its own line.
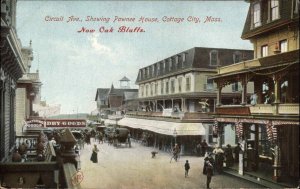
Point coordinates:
pixel 94 157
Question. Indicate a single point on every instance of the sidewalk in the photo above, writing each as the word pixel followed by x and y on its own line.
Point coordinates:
pixel 256 179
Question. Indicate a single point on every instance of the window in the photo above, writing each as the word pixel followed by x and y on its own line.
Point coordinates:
pixel 158 69
pixel 140 75
pixel 237 57
pixel 152 89
pixel 164 66
pixel 155 88
pixel 153 70
pixel 177 61
pixel 214 58
pixel 167 87
pixel 274 9
pixel 148 70
pixel 183 57
pixel 256 15
pixel 172 86
pixel 209 84
pixel 162 88
pixel 142 91
pixel 264 50
pixel 235 87
pixel 188 83
pixel 211 135
pixel 170 64
pixel 147 89
pixel 179 84
pixel 283 46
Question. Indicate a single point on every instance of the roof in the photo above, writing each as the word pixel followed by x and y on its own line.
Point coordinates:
pixel 285 18
pixel 197 57
pixel 279 60
pixel 104 93
pixel 130 95
pixel 125 79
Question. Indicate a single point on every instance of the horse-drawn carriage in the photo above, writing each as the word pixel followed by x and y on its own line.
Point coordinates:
pixel 117 136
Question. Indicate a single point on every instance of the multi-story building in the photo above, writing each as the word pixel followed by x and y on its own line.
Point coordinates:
pixel 12 67
pixel 268 128
pixel 27 92
pixel 178 93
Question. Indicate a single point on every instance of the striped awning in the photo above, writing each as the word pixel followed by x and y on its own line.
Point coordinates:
pixel 164 127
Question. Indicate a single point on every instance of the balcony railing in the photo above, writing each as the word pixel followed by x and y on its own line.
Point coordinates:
pixel 265 109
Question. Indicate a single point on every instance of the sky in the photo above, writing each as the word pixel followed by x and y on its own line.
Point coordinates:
pixel 73 64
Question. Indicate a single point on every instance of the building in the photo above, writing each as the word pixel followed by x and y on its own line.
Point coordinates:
pixel 27 92
pixel 112 100
pixel 12 68
pixel 176 96
pixel 268 126
pixel 26 161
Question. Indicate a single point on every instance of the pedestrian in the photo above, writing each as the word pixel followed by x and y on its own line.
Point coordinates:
pixel 94 157
pixel 228 156
pixel 209 173
pixel 211 161
pixel 175 152
pixel 219 159
pixel 187 168
pixel 203 147
pixel 237 150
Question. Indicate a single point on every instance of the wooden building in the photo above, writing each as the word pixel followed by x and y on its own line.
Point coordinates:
pixel 12 68
pixel 112 100
pixel 268 123
pixel 176 96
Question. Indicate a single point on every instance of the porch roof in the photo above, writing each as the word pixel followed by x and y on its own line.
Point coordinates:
pixel 164 127
pixel 274 61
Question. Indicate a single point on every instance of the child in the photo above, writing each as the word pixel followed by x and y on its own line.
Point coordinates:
pixel 186 167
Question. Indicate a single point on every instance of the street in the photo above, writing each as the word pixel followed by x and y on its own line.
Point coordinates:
pixel 133 168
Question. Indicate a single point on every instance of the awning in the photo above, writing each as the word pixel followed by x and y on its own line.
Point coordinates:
pixel 164 127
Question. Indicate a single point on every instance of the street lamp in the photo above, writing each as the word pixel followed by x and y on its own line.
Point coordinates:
pixel 175 135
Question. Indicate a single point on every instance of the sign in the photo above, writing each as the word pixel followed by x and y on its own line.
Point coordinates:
pixel 167 112
pixel 54 123
pixel 77 178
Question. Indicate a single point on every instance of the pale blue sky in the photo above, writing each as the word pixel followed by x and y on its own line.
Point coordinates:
pixel 73 65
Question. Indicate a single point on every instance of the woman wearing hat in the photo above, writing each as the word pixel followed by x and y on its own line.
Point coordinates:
pixel 94 157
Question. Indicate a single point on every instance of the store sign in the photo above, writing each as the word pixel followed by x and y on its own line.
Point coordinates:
pixel 56 123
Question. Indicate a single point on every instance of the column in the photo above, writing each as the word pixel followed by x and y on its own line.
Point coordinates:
pixel 277 163
pixel 244 92
pixel 219 95
pixel 156 105
pixel 172 103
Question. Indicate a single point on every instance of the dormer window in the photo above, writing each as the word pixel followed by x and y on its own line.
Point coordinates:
pixel 237 56
pixel 183 57
pixel 214 58
pixel 158 68
pixel 274 9
pixel 256 15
